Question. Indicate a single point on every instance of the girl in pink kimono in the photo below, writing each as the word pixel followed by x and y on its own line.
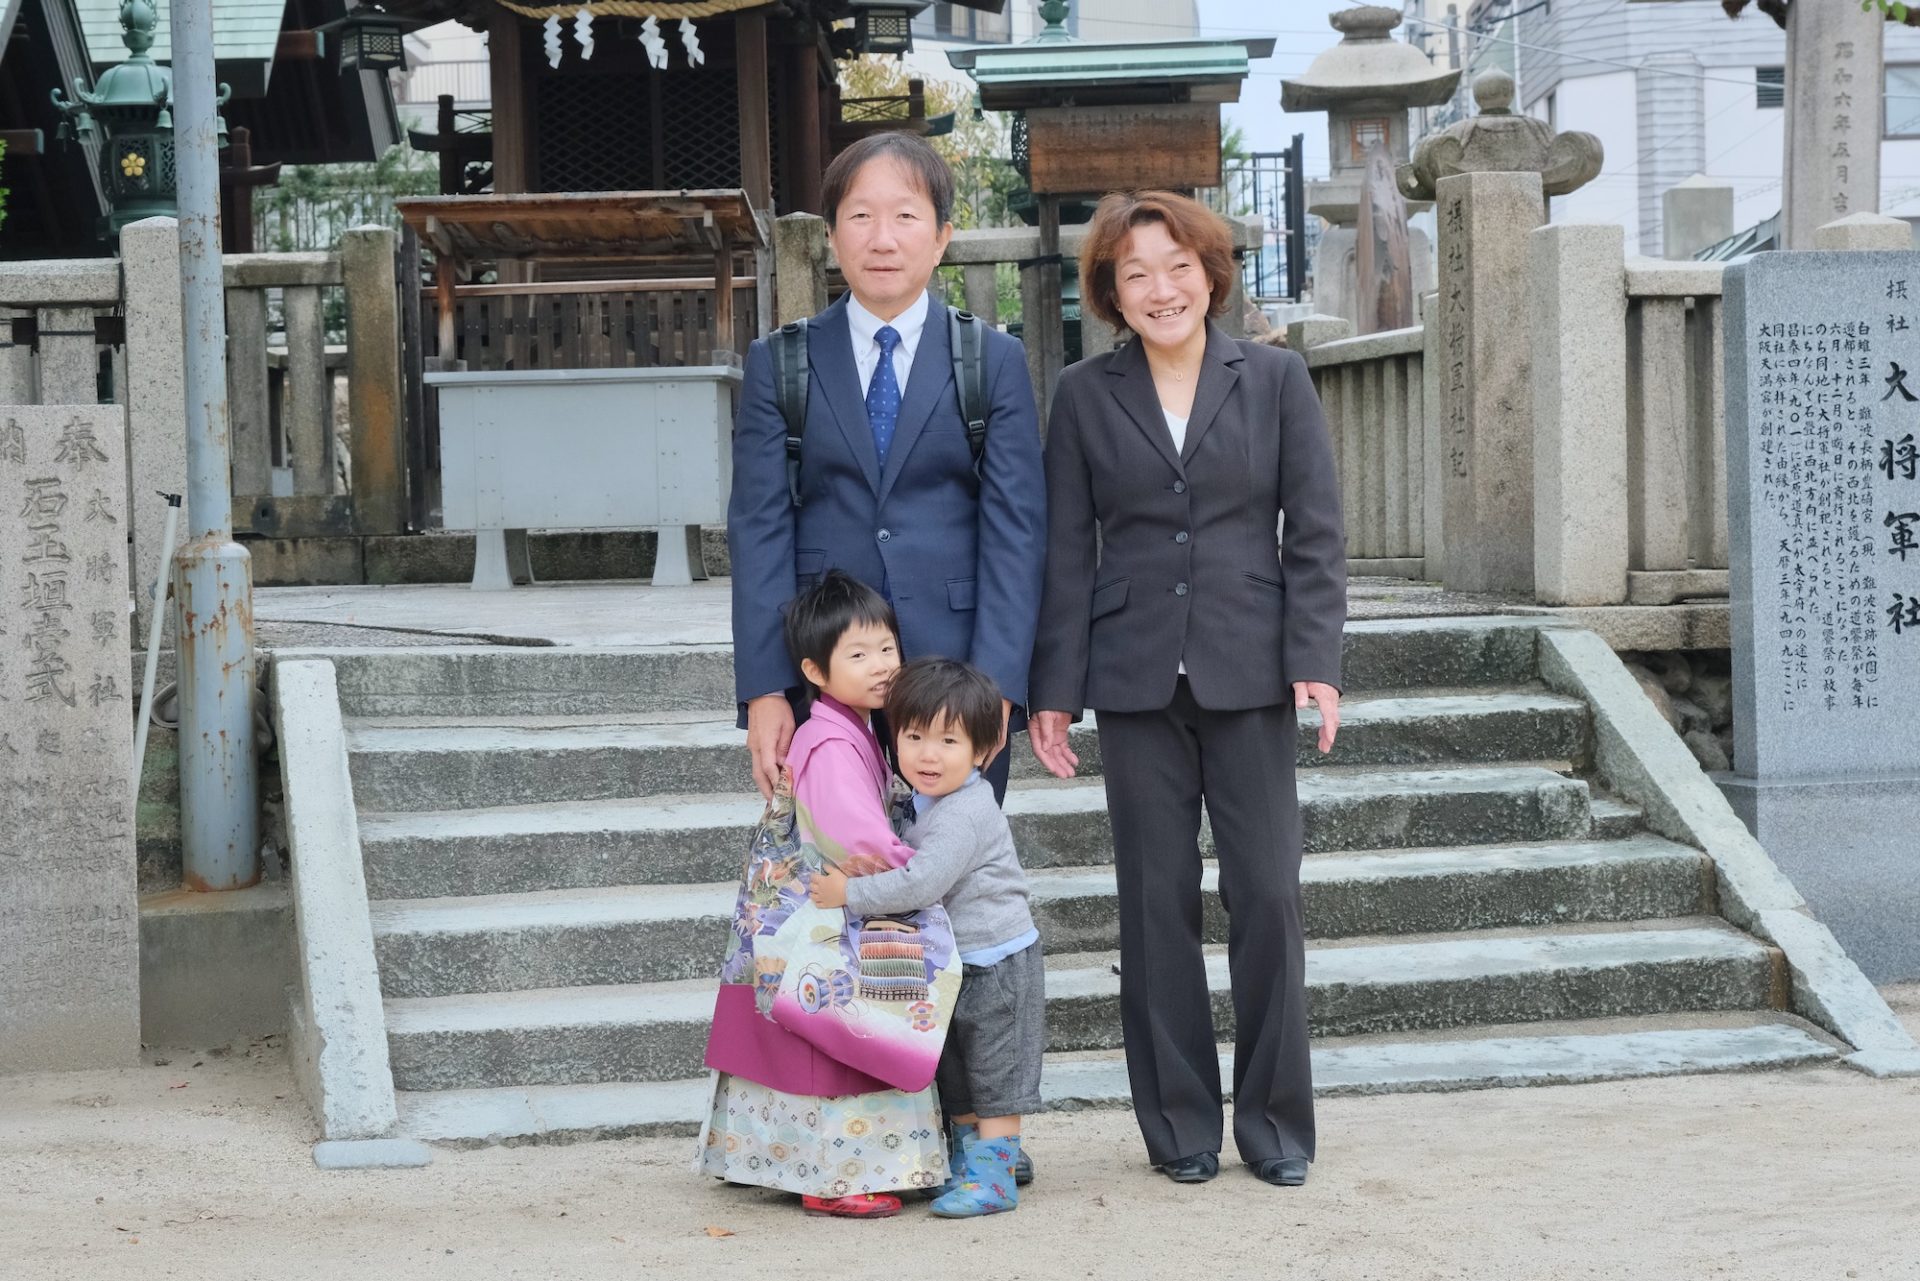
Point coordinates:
pixel 785 1114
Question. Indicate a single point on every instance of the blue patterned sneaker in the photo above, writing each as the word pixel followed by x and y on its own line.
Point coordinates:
pixel 986 1186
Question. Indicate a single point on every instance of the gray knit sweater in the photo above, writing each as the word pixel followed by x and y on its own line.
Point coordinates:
pixel 964 858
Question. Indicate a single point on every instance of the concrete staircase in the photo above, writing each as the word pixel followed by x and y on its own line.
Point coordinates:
pixel 551 840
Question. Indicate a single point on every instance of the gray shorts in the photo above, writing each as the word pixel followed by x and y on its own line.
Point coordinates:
pixel 991 1064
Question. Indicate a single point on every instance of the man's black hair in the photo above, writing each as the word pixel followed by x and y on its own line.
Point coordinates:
pixel 928 691
pixel 911 152
pixel 821 615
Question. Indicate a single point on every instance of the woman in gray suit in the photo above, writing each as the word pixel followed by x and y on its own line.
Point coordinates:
pixel 1177 609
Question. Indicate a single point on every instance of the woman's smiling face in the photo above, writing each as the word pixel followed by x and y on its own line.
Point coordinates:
pixel 1162 288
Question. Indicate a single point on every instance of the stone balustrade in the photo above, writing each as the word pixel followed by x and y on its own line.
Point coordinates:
pixel 1374 391
pixel 107 331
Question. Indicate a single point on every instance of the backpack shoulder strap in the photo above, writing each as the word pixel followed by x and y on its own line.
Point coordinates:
pixel 967 339
pixel 788 347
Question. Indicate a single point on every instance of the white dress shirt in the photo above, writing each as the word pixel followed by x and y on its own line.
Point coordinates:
pixel 862 325
pixel 1177 428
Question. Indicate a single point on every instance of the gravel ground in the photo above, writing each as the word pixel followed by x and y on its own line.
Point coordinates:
pixel 198 1167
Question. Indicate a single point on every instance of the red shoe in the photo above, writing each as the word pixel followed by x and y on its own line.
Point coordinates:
pixel 868 1205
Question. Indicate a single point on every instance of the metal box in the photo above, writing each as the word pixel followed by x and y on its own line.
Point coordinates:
pixel 586 449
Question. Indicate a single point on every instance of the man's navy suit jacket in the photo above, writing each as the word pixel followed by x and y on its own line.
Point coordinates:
pixel 962 557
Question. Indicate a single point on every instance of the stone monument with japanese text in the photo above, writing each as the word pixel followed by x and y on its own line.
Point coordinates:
pixel 69 926
pixel 1823 466
pixel 1489 178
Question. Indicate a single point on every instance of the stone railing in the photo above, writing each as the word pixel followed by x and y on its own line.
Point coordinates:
pixel 1630 486
pixel 1374 391
pixel 288 479
pixel 1676 433
pixel 1628 403
pixel 106 330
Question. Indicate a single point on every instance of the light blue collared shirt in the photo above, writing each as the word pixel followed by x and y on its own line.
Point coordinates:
pixel 862 325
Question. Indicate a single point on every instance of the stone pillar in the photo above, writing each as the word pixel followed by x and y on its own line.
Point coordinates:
pixel 157 408
pixel 1096 335
pixel 1311 331
pixel 69 925
pixel 1865 231
pixel 1579 412
pixel 1831 166
pixel 1433 490
pixel 1694 214
pixel 1485 382
pixel 799 267
pixel 378 438
pixel 982 288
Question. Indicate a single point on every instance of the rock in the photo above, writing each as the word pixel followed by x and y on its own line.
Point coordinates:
pixel 1715 695
pixel 1656 693
pixel 1706 749
pixel 1692 716
pixel 1676 673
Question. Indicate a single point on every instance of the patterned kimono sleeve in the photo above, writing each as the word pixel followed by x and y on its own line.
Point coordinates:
pixel 842 813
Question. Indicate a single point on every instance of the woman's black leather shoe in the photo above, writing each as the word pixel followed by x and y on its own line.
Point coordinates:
pixel 1197 1168
pixel 1282 1171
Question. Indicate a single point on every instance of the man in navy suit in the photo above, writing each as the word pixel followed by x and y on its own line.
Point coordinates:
pixel 888 487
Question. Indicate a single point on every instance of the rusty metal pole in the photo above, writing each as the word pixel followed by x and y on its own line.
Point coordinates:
pixel 213 593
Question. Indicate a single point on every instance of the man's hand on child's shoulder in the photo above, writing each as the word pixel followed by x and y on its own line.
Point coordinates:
pixel 829 888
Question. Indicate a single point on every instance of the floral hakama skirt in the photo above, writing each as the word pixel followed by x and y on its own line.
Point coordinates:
pixel 886 1141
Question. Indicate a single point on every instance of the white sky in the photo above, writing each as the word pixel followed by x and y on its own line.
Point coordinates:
pixel 1300 31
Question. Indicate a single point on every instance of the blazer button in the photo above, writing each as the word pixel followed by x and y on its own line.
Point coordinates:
pixel 1180 589
pixel 1179 486
pixel 884 535
pixel 1180 537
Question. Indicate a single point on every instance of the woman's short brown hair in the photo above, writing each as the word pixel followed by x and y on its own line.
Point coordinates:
pixel 1190 223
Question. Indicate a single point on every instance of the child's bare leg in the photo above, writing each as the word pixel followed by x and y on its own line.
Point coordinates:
pixel 997 1127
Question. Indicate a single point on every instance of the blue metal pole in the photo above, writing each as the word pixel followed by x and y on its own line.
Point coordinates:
pixel 219 813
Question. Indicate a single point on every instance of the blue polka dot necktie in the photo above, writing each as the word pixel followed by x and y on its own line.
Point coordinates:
pixel 883 393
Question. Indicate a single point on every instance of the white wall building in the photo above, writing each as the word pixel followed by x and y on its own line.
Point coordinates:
pixel 1676 88
pixel 950 26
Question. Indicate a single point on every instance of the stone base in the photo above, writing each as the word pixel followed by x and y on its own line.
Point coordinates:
pixel 558 557
pixel 371 1154
pixel 214 968
pixel 1847 846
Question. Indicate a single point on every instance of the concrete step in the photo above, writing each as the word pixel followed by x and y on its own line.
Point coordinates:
pixel 488 680
pixel 657 1032
pixel 462 765
pixel 515 680
pixel 660 933
pixel 1613 818
pixel 1596 1050
pixel 700 839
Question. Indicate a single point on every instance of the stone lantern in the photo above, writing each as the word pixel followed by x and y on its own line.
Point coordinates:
pixel 129 113
pixel 1366 84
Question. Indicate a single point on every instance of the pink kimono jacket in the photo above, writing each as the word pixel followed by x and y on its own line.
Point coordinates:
pixel 840 775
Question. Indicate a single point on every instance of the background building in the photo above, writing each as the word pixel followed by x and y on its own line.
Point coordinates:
pixel 1672 89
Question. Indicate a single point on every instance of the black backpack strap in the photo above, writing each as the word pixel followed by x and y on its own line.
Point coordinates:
pixel 788 347
pixel 967 339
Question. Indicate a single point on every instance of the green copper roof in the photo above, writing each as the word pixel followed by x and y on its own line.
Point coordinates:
pixel 1013 76
pixel 1109 63
pixel 243 31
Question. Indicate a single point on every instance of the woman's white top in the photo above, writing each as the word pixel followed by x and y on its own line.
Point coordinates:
pixel 1177 427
